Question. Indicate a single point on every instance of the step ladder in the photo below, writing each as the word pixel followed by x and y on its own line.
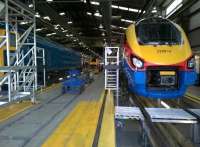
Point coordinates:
pixel 112 70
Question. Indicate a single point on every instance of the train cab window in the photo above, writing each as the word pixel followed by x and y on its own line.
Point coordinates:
pixel 156 31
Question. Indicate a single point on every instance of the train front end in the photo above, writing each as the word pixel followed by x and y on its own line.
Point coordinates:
pixel 158 61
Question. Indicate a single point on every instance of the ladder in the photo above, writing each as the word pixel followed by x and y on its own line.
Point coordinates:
pixel 112 70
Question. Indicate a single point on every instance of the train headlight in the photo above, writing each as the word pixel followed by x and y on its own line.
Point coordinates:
pixel 137 62
pixel 191 63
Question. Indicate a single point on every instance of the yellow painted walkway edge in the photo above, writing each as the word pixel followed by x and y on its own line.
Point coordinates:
pixel 107 132
pixel 79 127
pixel 193 98
pixel 11 110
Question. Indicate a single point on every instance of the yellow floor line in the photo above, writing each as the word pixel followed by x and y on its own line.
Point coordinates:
pixel 78 128
pixel 11 110
pixel 107 133
pixel 6 112
pixel 193 96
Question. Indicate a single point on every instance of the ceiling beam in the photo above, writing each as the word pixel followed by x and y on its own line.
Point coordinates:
pixel 107 14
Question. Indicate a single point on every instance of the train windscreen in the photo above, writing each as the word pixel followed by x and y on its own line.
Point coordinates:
pixel 157 32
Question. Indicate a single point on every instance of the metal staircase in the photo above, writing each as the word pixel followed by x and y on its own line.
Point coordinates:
pixel 112 70
pixel 19 74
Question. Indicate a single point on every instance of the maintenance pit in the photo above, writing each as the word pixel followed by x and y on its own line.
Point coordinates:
pixel 99 73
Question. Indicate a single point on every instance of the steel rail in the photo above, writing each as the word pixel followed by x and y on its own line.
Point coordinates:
pixel 154 134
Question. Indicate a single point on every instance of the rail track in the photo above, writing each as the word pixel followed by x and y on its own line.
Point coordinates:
pixel 163 134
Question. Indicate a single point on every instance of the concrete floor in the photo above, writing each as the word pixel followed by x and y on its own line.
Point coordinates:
pixel 33 126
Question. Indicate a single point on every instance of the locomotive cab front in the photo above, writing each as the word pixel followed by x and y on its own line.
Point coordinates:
pixel 158 59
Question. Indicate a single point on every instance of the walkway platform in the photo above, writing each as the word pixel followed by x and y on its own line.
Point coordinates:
pixel 61 120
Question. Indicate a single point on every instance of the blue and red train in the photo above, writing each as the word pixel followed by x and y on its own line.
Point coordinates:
pixel 157 59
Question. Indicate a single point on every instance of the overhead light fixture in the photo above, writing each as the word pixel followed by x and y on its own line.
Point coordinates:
pixel 64 31
pixel 127 20
pixel 154 10
pixel 123 28
pixel 97 14
pixel 37 15
pixel 89 13
pixel 114 6
pixel 49 0
pixel 94 3
pixel 47 18
pixel 39 29
pixel 24 22
pixel 103 34
pixel 133 10
pixel 100 26
pixel 83 1
pixel 69 22
pixel 62 13
pixel 51 34
pixel 30 5
pixel 123 8
pixel 113 26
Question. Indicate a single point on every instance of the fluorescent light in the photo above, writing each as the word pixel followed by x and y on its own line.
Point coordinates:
pixel 62 13
pixel 51 34
pixel 100 26
pixel 114 6
pixel 133 10
pixel 30 5
pixel 49 0
pixel 39 29
pixel 94 3
pixel 83 1
pixel 154 11
pixel 47 18
pixel 126 20
pixel 98 14
pixel 24 22
pixel 37 14
pixel 165 104
pixel 173 6
pixel 64 31
pixel 113 26
pixel 123 28
pixel 89 13
pixel 123 8
pixel 69 22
